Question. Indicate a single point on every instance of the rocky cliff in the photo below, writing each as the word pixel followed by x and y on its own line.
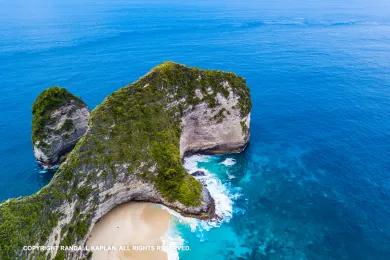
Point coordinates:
pixel 59 121
pixel 222 128
pixel 132 151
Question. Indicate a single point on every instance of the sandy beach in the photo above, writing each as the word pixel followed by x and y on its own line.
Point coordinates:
pixel 131 224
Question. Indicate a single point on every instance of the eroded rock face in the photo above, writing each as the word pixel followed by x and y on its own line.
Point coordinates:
pixel 221 129
pixel 65 123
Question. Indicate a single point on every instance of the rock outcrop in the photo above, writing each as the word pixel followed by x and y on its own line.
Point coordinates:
pixel 198 173
pixel 59 121
pixel 132 151
pixel 220 129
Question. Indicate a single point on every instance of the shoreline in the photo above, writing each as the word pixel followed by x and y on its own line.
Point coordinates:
pixel 150 227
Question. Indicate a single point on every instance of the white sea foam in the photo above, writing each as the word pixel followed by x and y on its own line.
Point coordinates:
pixel 221 194
pixel 230 176
pixel 171 241
pixel 228 162
pixel 191 163
pixel 191 222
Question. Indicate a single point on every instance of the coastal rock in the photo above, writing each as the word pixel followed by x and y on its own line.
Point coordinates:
pixel 59 121
pixel 133 151
pixel 198 173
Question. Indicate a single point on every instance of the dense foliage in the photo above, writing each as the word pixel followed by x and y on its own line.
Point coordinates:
pixel 26 221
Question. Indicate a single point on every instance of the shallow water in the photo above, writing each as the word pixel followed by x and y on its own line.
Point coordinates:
pixel 315 181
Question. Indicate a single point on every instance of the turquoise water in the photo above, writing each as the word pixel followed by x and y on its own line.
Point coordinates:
pixel 314 182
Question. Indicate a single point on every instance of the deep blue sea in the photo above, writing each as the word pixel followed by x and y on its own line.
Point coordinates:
pixel 314 182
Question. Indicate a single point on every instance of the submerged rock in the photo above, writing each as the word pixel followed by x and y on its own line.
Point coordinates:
pixel 60 119
pixel 198 173
pixel 132 151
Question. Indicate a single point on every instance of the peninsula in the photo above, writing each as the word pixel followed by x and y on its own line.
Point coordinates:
pixel 131 150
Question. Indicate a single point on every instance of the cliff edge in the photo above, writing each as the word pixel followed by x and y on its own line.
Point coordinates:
pixel 132 151
pixel 60 119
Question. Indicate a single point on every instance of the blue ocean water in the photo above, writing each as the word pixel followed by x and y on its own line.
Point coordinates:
pixel 314 182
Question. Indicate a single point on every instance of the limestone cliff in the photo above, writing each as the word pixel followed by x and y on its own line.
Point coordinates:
pixel 132 151
pixel 218 129
pixel 59 121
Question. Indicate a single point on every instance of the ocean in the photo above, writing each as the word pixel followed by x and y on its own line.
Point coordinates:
pixel 314 182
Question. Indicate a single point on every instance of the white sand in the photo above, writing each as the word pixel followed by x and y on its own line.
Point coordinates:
pixel 131 224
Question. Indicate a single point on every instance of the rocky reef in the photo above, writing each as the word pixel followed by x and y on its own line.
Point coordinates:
pixel 60 119
pixel 132 151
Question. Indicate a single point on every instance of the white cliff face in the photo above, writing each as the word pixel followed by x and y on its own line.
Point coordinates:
pixel 67 125
pixel 215 130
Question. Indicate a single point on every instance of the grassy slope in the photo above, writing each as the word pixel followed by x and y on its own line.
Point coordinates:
pixel 133 126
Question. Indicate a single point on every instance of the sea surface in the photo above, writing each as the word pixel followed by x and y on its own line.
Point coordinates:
pixel 314 182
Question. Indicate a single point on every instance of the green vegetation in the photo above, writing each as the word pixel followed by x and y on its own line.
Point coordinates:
pixel 220 115
pixel 244 127
pixel 210 83
pixel 83 192
pixel 25 221
pixel 137 126
pixel 68 125
pixel 48 101
pixel 172 180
